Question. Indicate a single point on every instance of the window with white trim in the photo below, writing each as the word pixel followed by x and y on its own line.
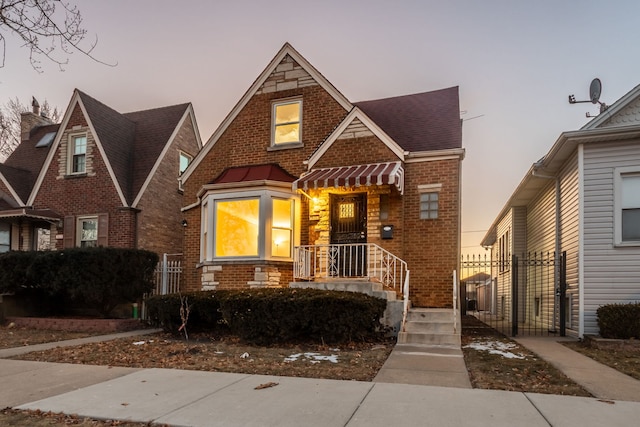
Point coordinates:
pixel 286 125
pixel 627 206
pixel 87 233
pixel 5 237
pixel 249 225
pixel 185 160
pixel 429 200
pixel 77 154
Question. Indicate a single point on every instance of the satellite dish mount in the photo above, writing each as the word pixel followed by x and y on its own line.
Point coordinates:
pixel 595 90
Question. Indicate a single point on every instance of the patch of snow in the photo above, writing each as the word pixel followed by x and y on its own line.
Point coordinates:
pixel 496 347
pixel 312 357
pixel 139 342
pixel 244 355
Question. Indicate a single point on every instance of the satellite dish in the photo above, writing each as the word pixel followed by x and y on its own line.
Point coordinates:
pixel 595 90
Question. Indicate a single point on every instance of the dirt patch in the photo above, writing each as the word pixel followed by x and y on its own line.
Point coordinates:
pixel 499 363
pixel 624 359
pixel 354 361
pixel 14 336
pixel 12 417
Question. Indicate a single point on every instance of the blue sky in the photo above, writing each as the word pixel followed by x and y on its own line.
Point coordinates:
pixel 515 63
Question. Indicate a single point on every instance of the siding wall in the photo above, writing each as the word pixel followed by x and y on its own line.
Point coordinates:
pixel 503 278
pixel 541 234
pixel 611 274
pixel 569 238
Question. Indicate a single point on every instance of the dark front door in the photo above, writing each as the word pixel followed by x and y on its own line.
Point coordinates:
pixel 349 232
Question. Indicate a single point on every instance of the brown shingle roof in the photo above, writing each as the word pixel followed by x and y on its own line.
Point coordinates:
pixel 419 122
pixel 271 172
pixel 116 133
pixel 22 167
pixel 153 130
pixel 132 141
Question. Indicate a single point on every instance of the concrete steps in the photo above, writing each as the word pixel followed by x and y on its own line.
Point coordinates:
pixel 364 286
pixel 430 326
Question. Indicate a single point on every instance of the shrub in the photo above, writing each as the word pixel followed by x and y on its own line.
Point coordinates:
pixel 99 278
pixel 164 311
pixel 621 321
pixel 267 316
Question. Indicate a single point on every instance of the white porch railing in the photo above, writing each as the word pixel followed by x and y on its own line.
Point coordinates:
pixel 357 260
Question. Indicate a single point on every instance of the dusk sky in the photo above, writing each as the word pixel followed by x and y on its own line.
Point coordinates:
pixel 515 63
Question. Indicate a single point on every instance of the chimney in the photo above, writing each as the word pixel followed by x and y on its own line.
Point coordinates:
pixel 31 120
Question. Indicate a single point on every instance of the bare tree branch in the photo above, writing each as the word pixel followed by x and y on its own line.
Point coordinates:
pixel 48 28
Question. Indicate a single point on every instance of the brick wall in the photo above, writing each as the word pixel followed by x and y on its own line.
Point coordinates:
pixel 88 194
pixel 431 245
pixel 159 221
pixel 354 151
pixel 246 142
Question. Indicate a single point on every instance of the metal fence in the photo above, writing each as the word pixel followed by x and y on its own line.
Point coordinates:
pixel 517 295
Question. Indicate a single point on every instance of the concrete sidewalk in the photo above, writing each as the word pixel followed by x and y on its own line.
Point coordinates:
pixel 197 398
pixel 599 380
pixel 193 398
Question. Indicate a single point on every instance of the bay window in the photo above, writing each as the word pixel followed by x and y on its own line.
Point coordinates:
pixel 254 224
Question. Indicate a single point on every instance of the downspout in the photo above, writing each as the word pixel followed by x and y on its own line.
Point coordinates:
pixel 556 271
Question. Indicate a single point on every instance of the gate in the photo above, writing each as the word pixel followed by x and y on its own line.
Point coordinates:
pixel 519 295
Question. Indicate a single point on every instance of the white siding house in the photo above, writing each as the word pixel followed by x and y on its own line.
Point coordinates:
pixel 583 197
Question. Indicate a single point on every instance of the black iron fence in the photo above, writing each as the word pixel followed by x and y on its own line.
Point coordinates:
pixel 517 295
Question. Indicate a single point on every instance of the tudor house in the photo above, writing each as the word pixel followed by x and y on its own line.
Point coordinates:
pixel 99 178
pixel 299 184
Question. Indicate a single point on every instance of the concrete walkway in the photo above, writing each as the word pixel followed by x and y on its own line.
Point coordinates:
pixel 194 398
pixel 599 380
pixel 441 366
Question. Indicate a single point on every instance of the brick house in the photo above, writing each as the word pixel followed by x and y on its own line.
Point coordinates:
pixel 298 184
pixel 98 178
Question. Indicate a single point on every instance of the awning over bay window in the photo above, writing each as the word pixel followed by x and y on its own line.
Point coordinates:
pixel 390 173
pixel 30 214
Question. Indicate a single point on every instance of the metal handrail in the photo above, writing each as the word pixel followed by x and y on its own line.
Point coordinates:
pixel 455 301
pixel 350 260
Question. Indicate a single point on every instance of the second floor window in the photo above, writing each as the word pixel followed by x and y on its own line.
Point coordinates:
pixel 78 153
pixel 287 121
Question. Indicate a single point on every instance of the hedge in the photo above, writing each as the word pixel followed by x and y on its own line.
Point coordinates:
pixel 97 278
pixel 620 321
pixel 269 316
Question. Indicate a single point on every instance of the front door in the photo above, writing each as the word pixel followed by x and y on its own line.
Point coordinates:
pixel 349 234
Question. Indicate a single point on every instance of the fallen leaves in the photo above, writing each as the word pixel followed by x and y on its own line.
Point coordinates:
pixel 266 385
pixel 354 361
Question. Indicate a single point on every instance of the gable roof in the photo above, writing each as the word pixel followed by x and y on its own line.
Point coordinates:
pixel 286 49
pixel 614 109
pixel 425 121
pixel 21 168
pixel 537 177
pixel 131 144
pixel 355 114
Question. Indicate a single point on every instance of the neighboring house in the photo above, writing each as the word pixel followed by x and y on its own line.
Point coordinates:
pixel 582 198
pixel 298 183
pixel 99 178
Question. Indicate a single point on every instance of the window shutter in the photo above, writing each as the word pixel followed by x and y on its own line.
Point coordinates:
pixel 103 229
pixel 69 231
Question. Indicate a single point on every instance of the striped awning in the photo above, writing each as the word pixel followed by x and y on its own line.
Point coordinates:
pixel 390 173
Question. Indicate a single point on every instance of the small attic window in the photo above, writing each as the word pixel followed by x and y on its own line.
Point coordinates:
pixel 46 140
pixel 286 123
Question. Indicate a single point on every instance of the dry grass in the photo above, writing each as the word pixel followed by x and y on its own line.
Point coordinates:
pixel 11 336
pixel 513 368
pixel 625 360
